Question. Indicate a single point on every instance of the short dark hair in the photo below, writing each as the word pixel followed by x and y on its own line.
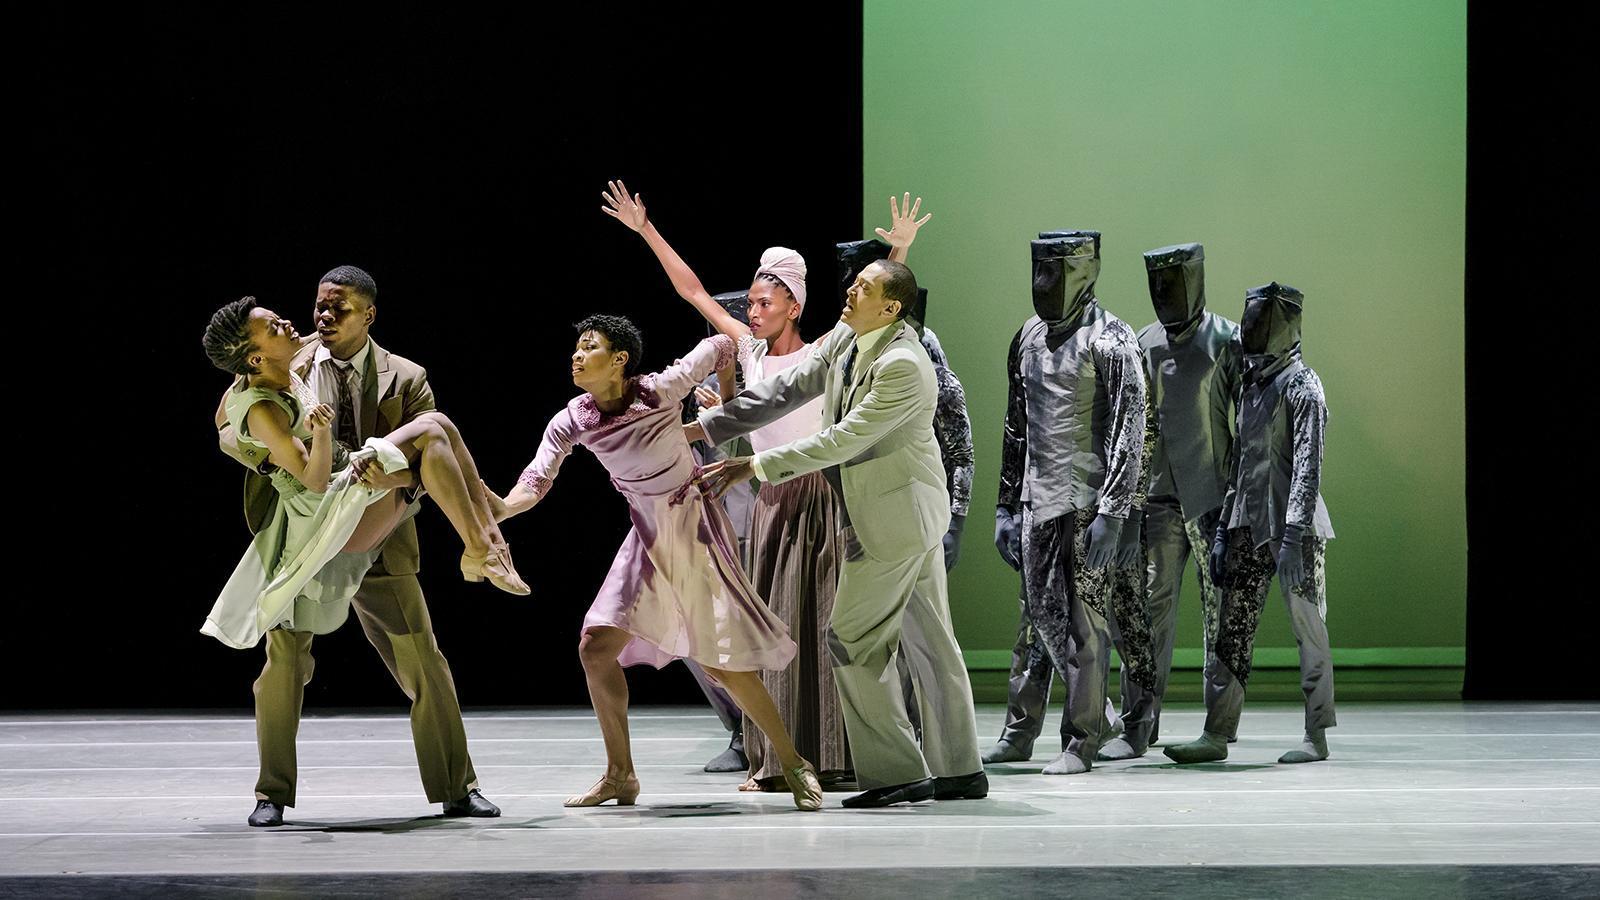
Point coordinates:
pixel 354 278
pixel 899 285
pixel 621 334
pixel 227 340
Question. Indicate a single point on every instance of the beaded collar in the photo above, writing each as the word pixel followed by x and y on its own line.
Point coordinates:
pixel 590 416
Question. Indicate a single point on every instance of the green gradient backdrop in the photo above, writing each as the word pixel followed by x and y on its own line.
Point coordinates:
pixel 1322 145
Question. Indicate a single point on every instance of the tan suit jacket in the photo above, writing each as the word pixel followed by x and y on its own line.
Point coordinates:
pixel 397 391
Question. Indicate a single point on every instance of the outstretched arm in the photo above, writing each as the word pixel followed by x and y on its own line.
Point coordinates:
pixel 630 211
pixel 536 479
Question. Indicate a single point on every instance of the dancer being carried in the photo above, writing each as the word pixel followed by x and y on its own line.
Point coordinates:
pixel 675 589
pixel 794 531
pixel 336 503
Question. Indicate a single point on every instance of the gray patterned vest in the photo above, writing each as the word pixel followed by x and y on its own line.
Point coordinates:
pixel 1266 462
pixel 1068 416
pixel 1192 383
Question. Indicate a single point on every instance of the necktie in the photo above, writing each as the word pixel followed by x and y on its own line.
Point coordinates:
pixel 849 371
pixel 344 425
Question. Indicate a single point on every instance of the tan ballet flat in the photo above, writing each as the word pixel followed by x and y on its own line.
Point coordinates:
pixel 804 785
pixel 497 568
pixel 624 792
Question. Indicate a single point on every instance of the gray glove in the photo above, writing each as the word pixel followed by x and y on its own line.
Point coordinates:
pixel 1219 555
pixel 1101 545
pixel 1008 536
pixel 1130 552
pixel 952 541
pixel 1292 558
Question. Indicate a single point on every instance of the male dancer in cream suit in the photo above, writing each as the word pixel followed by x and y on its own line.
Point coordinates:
pixel 878 448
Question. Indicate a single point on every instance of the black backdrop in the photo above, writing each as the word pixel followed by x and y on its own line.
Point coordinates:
pixel 184 158
pixel 193 157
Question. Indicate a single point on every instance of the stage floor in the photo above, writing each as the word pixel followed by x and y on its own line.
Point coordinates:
pixel 1419 798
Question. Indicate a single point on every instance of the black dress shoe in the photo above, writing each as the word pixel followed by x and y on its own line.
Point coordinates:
pixel 472 805
pixel 267 814
pixel 961 787
pixel 913 792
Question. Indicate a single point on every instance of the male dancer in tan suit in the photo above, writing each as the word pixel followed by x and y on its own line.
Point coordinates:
pixel 373 392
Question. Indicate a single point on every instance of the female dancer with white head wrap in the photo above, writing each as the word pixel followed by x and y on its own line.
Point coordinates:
pixel 794 549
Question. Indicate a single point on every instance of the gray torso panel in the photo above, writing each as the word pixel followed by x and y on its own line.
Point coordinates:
pixel 1068 414
pixel 1265 493
pixel 1193 382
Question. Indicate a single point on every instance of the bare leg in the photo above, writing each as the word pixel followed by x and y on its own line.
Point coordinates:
pixel 469 473
pixel 425 438
pixel 379 519
pixel 608 691
pixel 751 695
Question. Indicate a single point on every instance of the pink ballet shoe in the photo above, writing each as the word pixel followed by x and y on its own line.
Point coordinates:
pixel 624 792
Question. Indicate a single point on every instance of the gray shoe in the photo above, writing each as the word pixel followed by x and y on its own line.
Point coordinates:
pixel 1209 748
pixel 1004 751
pixel 1067 764
pixel 1119 749
pixel 1313 749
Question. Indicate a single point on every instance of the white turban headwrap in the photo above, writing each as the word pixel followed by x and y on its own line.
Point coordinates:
pixel 788 267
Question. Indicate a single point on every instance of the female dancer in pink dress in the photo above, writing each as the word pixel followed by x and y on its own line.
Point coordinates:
pixel 675 588
pixel 795 548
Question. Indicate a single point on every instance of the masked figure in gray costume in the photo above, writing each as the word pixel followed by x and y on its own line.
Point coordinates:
pixel 1272 520
pixel 1070 473
pixel 1192 360
pixel 1029 684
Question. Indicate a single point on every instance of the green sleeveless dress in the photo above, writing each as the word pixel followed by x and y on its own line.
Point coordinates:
pixel 300 517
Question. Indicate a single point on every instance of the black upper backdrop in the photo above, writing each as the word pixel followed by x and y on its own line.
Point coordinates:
pixel 461 164
pixel 187 160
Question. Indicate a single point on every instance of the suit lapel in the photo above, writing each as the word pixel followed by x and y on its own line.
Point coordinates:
pixel 304 358
pixel 864 361
pixel 378 381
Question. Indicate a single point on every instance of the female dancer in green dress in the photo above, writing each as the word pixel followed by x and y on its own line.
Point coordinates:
pixel 346 502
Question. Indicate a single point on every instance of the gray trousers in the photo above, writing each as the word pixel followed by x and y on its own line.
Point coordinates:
pixel 1249 577
pixel 1066 605
pixel 1170 542
pixel 1028 690
pixel 889 608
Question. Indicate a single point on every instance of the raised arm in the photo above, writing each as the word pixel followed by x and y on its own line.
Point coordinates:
pixel 630 211
pixel 903 226
pixel 269 424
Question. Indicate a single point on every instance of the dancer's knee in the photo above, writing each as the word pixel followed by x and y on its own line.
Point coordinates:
pixel 597 650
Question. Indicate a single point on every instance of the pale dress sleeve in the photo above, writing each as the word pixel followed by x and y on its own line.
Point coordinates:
pixel 675 382
pixel 560 436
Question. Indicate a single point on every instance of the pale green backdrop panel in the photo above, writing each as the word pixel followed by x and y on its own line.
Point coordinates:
pixel 1318 144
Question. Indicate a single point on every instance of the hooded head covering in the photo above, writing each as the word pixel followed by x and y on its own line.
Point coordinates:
pixel 789 268
pixel 853 256
pixel 737 303
pixel 1270 329
pixel 1064 273
pixel 1177 284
